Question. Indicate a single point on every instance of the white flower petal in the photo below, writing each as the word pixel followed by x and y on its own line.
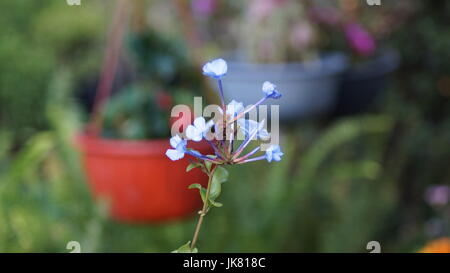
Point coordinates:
pixel 234 108
pixel 175 140
pixel 268 87
pixel 216 68
pixel 219 66
pixel 269 156
pixel 273 153
pixel 174 154
pixel 198 137
pixel 200 124
pixel 264 135
pixel 249 126
pixel 193 133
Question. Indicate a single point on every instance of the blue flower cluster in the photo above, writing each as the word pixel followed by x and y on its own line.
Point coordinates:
pixel 233 120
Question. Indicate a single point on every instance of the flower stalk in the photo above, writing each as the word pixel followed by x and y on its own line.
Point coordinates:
pixel 233 119
pixel 204 210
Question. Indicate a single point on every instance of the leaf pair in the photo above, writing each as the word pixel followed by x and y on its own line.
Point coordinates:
pixel 206 167
pixel 220 176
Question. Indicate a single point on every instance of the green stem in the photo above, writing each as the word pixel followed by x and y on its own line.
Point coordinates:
pixel 203 211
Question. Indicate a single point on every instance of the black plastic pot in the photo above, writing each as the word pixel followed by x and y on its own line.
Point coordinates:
pixel 364 82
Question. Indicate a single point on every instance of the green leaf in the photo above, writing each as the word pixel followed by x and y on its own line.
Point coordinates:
pixel 201 190
pixel 215 204
pixel 186 248
pixel 220 176
pixel 208 165
pixel 191 166
pixel 195 186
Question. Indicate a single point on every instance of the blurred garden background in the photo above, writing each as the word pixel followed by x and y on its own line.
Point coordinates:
pixel 365 124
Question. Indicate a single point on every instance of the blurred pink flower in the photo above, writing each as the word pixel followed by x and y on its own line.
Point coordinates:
pixel 204 7
pixel 260 9
pixel 325 15
pixel 437 195
pixel 302 35
pixel 360 40
pixel 280 2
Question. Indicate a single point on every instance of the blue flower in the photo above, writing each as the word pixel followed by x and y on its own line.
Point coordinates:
pixel 179 146
pixel 234 108
pixel 273 153
pixel 215 69
pixel 270 90
pixel 250 127
pixel 197 131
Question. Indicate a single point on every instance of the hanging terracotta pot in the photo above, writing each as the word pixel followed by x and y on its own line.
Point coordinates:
pixel 138 180
pixel 140 183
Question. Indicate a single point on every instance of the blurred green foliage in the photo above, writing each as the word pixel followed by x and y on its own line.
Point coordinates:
pixel 160 59
pixel 24 71
pixel 264 210
pixel 341 184
pixel 136 113
pixel 162 77
pixel 38 37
